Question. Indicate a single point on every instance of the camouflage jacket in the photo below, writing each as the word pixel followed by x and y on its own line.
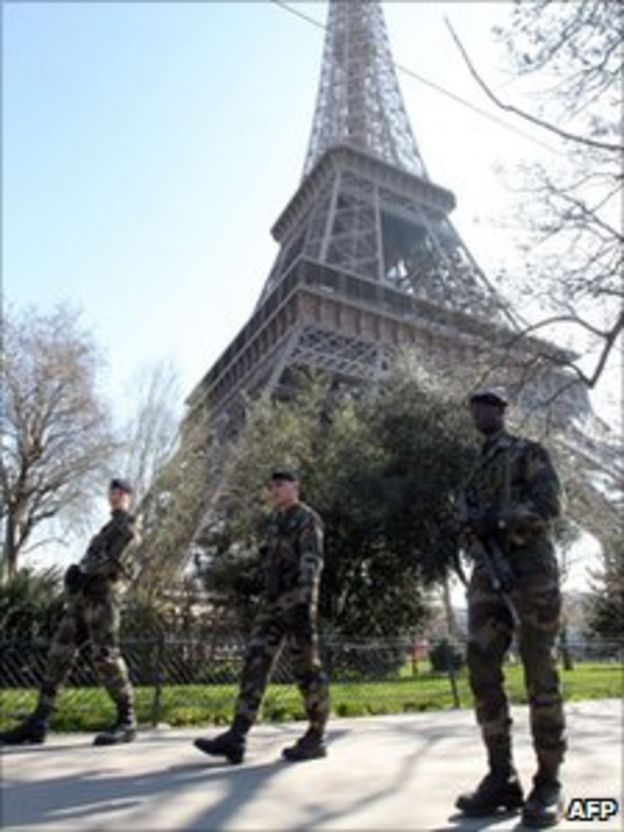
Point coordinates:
pixel 516 478
pixel 294 555
pixel 104 556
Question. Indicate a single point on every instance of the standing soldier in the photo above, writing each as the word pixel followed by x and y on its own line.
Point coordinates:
pixel 92 612
pixel 512 499
pixel 288 612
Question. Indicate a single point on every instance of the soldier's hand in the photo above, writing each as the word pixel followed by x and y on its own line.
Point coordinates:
pixel 485 523
pixel 74 578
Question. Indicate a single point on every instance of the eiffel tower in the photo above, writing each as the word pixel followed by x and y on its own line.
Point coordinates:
pixel 369 262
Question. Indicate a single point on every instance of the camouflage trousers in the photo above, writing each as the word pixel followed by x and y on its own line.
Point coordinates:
pixel 538 601
pixel 296 627
pixel 94 619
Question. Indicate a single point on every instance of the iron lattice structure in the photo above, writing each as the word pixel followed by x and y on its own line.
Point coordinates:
pixel 370 265
pixel 369 261
pixel 359 102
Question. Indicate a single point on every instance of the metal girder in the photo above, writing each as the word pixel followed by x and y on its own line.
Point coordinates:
pixel 359 102
pixel 338 354
pixel 361 225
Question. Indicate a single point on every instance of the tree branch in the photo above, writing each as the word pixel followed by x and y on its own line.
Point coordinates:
pixel 510 108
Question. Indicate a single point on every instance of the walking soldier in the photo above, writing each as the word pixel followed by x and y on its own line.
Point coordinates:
pixel 92 612
pixel 288 614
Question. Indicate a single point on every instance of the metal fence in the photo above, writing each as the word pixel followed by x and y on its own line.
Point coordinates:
pixel 186 680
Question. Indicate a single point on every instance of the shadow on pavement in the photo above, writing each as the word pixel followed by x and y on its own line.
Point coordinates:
pixel 461 823
pixel 94 797
pixel 321 816
pixel 242 789
pixel 98 795
pixel 50 746
pixel 90 794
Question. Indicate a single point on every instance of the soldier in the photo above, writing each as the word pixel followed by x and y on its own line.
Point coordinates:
pixel 92 612
pixel 293 561
pixel 512 498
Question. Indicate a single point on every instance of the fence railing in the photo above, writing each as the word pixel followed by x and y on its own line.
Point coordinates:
pixel 185 679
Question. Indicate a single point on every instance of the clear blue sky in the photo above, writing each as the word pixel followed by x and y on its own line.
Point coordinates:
pixel 149 147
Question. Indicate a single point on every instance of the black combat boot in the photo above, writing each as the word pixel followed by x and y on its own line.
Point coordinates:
pixel 230 744
pixel 544 805
pixel 32 731
pixel 124 729
pixel 499 789
pixel 310 746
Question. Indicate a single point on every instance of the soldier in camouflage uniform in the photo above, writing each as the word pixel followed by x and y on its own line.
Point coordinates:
pixel 92 612
pixel 293 561
pixel 512 497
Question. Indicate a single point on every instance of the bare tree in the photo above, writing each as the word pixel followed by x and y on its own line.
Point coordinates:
pixel 56 437
pixel 571 205
pixel 151 434
pixel 172 509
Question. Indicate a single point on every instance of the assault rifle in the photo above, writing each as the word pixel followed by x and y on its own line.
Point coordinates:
pixel 487 551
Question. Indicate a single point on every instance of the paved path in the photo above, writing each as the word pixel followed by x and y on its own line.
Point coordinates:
pixel 386 773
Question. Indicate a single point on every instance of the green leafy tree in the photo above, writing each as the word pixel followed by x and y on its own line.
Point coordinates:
pixel 605 615
pixel 399 458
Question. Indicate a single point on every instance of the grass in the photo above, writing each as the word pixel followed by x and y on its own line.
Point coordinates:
pixel 89 709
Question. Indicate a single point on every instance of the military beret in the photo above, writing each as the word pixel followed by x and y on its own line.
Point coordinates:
pixel 122 484
pixel 284 474
pixel 493 395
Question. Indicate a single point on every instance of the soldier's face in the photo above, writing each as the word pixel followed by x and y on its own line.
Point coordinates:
pixel 283 493
pixel 487 418
pixel 119 499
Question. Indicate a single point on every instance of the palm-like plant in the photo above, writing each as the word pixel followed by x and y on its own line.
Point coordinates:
pixel 30 603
